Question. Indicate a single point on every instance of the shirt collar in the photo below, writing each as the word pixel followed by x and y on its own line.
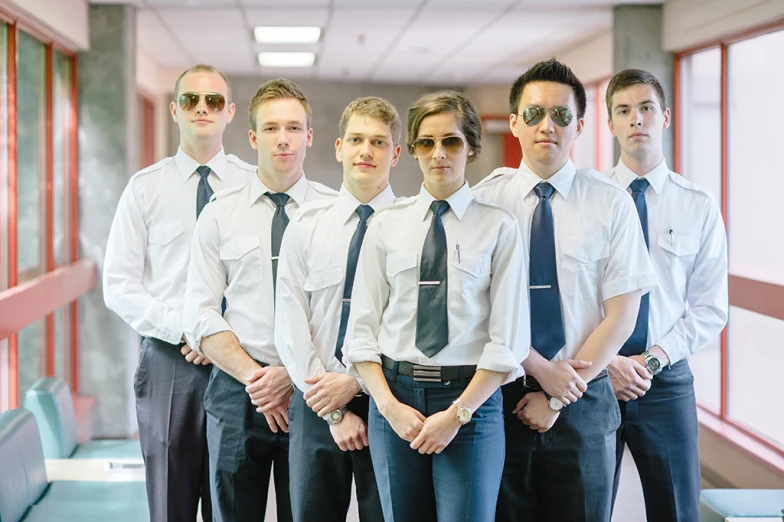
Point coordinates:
pixel 458 201
pixel 187 165
pixel 297 191
pixel 561 180
pixel 347 203
pixel 656 177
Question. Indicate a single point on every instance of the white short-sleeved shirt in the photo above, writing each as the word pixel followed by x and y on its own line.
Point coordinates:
pixel 487 302
pixel 688 248
pixel 149 243
pixel 231 257
pixel 311 280
pixel 599 247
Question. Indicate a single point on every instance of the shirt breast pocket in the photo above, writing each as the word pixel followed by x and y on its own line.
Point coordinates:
pixel 403 278
pixel 242 255
pixel 682 251
pixel 323 283
pixel 162 234
pixel 469 284
pixel 582 264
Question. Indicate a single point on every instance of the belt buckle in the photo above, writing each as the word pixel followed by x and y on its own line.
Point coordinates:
pixel 426 373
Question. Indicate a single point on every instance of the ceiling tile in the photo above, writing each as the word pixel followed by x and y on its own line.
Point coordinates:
pixel 288 16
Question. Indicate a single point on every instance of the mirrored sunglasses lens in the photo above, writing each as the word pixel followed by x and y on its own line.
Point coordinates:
pixel 533 115
pixel 188 100
pixel 215 102
pixel 562 117
pixel 424 146
pixel 452 144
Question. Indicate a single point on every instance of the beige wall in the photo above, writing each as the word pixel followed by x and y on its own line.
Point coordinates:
pixel 64 19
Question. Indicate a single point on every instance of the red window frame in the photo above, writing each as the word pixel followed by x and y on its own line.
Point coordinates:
pixel 743 293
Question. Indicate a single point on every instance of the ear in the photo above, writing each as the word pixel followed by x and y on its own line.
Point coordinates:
pixel 667 118
pixel 173 111
pixel 396 156
pixel 338 152
pixel 611 126
pixel 232 109
pixel 253 139
pixel 310 137
pixel 513 125
pixel 580 127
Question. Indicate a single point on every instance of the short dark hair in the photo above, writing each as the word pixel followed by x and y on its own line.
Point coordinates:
pixel 440 102
pixel 278 89
pixel 628 77
pixel 547 71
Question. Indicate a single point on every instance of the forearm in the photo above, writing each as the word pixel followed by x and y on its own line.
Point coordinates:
pixel 482 386
pixel 373 377
pixel 224 351
pixel 535 365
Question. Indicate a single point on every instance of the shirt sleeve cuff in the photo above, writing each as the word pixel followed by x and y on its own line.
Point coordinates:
pixel 172 330
pixel 360 350
pixel 497 358
pixel 645 282
pixel 671 347
pixel 207 326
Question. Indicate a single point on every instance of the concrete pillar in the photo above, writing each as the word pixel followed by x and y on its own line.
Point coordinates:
pixel 637 44
pixel 108 156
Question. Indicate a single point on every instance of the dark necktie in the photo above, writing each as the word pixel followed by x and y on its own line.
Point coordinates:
pixel 364 212
pixel 279 222
pixel 432 328
pixel 547 329
pixel 638 342
pixel 204 192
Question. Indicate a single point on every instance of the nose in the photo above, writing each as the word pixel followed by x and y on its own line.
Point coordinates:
pixel 283 138
pixel 439 151
pixel 547 124
pixel 637 122
pixel 201 107
pixel 366 151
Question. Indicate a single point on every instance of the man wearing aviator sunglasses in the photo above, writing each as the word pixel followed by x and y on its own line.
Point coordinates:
pixel 588 267
pixel 144 281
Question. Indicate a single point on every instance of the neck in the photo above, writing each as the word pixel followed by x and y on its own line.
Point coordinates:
pixel 201 152
pixel 364 194
pixel 277 182
pixel 442 192
pixel 543 171
pixel 643 165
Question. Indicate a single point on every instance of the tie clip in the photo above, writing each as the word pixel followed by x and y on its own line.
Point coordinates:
pixel 346 300
pixel 275 258
pixel 429 283
pixel 540 287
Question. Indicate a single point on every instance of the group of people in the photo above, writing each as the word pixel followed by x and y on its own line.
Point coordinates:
pixel 466 354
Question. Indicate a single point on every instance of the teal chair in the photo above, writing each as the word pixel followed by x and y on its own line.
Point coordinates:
pixel 718 504
pixel 25 494
pixel 49 399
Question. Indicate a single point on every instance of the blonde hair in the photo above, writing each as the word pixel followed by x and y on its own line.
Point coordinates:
pixel 440 102
pixel 373 107
pixel 201 67
pixel 279 88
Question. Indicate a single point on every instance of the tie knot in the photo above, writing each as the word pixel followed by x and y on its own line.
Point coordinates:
pixel 639 185
pixel 279 198
pixel 364 212
pixel 203 171
pixel 439 207
pixel 544 190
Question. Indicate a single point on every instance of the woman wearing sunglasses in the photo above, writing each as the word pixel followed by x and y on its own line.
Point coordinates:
pixel 439 321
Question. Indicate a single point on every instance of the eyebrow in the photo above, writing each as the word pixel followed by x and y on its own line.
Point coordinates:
pixel 626 106
pixel 447 135
pixel 360 134
pixel 290 122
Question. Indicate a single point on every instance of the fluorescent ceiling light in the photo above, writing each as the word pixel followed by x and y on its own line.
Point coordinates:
pixel 287 35
pixel 297 59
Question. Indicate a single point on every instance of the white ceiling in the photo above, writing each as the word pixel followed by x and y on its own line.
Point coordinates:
pixel 413 41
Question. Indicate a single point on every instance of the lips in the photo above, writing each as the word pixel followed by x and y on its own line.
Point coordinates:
pixel 364 165
pixel 638 135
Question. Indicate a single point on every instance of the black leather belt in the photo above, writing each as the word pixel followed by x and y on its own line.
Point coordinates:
pixel 530 382
pixel 428 373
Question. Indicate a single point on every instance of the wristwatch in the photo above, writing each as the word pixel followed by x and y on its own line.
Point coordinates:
pixel 553 403
pixel 652 362
pixel 335 416
pixel 463 413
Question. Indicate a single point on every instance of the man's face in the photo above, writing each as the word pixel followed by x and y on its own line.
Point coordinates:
pixel 367 152
pixel 281 137
pixel 202 122
pixel 637 120
pixel 545 144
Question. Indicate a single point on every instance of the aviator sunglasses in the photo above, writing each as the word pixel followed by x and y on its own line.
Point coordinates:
pixel 451 144
pixel 189 100
pixel 562 116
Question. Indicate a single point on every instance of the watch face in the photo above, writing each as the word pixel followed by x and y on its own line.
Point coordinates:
pixel 335 416
pixel 463 415
pixel 556 404
pixel 654 364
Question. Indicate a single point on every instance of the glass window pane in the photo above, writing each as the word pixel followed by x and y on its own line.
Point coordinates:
pixel 700 119
pixel 706 367
pixel 31 342
pixel 62 342
pixel 584 149
pixel 31 131
pixel 606 139
pixel 755 184
pixel 61 118
pixel 755 359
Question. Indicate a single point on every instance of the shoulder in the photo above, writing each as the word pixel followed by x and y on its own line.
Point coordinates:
pixel 382 213
pixel 692 188
pixel 230 193
pixel 241 165
pixel 502 213
pixel 146 173
pixel 322 189
pixel 496 179
pixel 597 183
pixel 312 210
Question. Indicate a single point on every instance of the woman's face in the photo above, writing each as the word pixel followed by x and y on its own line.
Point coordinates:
pixel 442 151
